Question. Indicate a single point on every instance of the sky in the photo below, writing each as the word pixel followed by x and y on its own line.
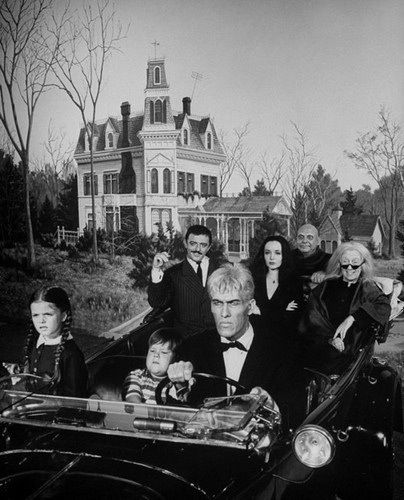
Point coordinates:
pixel 327 65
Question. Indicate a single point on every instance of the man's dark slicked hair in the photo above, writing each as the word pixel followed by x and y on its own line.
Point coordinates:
pixel 197 230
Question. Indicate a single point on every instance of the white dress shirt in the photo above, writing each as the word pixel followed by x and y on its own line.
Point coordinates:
pixel 234 358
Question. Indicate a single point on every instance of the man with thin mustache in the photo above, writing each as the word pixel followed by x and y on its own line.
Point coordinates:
pixel 181 287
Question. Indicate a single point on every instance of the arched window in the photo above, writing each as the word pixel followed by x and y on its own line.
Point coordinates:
pixel 154 180
pixel 166 180
pixel 157 75
pixel 209 140
pixel 158 111
pixel 110 140
pixel 185 136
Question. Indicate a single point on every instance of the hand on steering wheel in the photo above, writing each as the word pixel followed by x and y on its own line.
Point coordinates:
pixel 166 384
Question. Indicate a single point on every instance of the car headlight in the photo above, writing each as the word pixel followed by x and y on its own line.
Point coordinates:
pixel 313 446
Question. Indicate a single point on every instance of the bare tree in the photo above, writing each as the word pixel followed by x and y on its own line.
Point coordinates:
pixel 300 162
pixel 90 39
pixel 59 155
pixel 381 154
pixel 273 170
pixel 235 152
pixel 26 57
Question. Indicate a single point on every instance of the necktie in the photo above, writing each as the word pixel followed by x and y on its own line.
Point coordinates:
pixel 199 272
pixel 228 345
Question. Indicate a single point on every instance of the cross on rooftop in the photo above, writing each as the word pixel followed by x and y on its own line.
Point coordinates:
pixel 155 43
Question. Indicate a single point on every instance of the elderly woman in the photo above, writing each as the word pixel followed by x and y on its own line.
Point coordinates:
pixel 342 307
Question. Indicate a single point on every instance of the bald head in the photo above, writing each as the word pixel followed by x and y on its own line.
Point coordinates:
pixel 307 239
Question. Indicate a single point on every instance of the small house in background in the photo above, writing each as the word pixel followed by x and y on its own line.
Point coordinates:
pixel 232 219
pixel 363 228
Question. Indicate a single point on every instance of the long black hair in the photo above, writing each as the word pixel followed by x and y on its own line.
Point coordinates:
pixel 258 267
pixel 59 298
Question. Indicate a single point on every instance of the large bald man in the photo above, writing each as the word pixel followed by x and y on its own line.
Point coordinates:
pixel 310 259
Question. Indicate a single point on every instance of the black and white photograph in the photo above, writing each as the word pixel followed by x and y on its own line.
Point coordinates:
pixel 202 249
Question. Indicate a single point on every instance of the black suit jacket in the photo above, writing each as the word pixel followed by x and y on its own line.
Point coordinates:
pixel 269 364
pixel 182 291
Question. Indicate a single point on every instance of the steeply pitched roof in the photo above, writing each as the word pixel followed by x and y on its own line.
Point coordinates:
pixel 241 204
pixel 197 127
pixel 135 125
pixel 362 225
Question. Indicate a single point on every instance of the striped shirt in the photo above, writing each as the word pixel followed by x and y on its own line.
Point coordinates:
pixel 141 383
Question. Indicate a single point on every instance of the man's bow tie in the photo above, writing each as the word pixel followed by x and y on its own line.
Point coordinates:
pixel 236 344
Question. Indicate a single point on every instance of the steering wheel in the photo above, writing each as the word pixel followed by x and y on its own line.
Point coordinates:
pixel 166 384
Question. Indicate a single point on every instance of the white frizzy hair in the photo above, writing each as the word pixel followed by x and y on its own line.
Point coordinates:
pixel 230 277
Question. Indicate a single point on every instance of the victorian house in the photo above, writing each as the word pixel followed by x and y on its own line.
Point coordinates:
pixel 148 166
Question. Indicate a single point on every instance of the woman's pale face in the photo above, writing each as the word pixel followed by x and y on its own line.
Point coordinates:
pixel 273 255
pixel 353 258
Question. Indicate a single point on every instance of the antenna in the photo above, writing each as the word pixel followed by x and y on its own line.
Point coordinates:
pixel 156 44
pixel 197 77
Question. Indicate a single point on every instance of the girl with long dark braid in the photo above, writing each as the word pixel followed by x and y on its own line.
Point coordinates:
pixel 50 350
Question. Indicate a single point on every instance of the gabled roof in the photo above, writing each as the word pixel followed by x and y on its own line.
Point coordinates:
pixel 114 123
pixel 242 204
pixel 197 127
pixel 362 225
pixel 135 125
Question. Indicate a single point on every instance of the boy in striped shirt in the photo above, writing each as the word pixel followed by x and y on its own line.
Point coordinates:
pixel 140 385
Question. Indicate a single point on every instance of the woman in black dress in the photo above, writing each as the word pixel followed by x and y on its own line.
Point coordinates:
pixel 278 292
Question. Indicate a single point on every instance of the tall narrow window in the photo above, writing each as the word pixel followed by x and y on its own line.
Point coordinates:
pixel 190 183
pixel 87 184
pixel 185 136
pixel 154 178
pixel 213 186
pixel 111 183
pixel 152 112
pixel 157 75
pixel 164 111
pixel 180 182
pixel 166 181
pixel 158 111
pixel 209 140
pixel 110 140
pixel 204 184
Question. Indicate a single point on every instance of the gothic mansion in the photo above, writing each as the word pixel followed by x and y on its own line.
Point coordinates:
pixel 147 165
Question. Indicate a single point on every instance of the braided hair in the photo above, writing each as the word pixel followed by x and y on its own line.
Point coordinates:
pixel 59 298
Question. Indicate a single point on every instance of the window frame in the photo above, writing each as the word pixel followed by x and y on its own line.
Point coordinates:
pixel 113 181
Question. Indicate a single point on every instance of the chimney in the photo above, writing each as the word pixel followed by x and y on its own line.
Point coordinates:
pixel 186 105
pixel 125 112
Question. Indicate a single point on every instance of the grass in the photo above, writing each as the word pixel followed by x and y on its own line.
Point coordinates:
pixel 389 268
pixel 102 296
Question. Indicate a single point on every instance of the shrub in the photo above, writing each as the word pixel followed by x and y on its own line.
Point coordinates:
pixel 47 240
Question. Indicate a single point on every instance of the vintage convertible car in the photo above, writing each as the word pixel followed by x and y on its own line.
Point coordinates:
pixel 225 448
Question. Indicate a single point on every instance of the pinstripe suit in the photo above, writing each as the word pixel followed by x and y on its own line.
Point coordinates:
pixel 182 291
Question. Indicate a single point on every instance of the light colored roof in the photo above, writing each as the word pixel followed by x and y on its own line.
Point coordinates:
pixel 241 204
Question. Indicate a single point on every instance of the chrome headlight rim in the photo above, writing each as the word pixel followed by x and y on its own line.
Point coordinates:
pixel 324 433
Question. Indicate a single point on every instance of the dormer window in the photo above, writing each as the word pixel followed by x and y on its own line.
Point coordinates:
pixel 185 137
pixel 157 75
pixel 110 140
pixel 209 141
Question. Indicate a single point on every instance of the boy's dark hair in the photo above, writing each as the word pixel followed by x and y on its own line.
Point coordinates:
pixel 197 230
pixel 166 334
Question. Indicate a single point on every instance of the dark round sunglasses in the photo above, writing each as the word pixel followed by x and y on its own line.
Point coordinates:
pixel 354 266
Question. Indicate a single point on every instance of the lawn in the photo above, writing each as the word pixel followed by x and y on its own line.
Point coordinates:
pixel 102 296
